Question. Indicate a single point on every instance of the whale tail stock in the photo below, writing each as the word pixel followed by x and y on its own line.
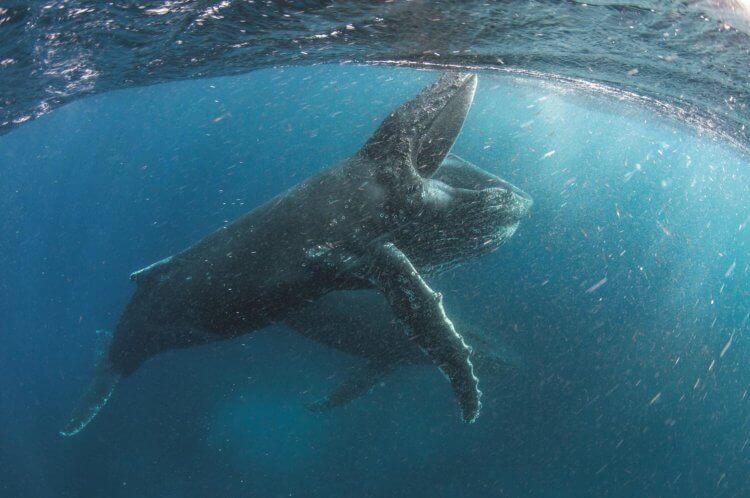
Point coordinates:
pixel 96 396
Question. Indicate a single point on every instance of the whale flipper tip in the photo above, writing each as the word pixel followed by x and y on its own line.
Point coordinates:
pixel 93 400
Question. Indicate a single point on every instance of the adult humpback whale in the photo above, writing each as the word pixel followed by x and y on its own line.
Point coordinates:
pixel 375 220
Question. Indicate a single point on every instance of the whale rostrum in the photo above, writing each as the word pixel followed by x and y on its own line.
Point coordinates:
pixel 382 219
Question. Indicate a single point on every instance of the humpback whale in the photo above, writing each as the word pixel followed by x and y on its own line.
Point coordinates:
pixel 360 324
pixel 377 220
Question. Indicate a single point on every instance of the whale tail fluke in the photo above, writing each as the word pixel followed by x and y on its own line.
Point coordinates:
pixel 96 396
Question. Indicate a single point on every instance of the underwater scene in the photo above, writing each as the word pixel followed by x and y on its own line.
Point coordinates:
pixel 374 264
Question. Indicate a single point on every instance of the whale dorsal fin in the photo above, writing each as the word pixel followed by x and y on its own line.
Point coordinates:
pixel 144 273
pixel 415 138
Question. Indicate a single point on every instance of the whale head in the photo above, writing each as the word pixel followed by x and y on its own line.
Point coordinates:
pixel 463 212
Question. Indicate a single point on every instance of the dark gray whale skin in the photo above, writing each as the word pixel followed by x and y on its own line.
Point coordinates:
pixel 360 324
pixel 376 220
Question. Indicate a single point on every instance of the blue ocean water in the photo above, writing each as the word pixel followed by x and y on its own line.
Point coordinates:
pixel 623 296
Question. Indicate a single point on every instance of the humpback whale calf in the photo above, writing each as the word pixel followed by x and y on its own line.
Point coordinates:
pixel 360 324
pixel 374 221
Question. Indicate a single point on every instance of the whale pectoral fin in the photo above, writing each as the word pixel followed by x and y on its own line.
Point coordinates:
pixel 421 309
pixel 460 173
pixel 414 139
pixel 359 383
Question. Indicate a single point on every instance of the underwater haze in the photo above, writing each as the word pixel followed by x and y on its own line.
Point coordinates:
pixel 621 301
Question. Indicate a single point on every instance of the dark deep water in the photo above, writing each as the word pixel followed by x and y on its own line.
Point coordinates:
pixel 633 387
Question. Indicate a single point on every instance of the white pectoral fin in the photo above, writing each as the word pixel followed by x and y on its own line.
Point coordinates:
pixel 421 309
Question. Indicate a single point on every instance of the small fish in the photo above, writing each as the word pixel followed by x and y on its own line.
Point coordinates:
pixel 594 287
pixel 664 229
pixel 730 270
pixel 726 346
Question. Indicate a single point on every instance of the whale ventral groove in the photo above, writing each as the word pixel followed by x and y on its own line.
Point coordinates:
pixel 400 208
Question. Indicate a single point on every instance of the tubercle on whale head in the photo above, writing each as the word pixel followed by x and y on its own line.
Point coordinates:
pixel 474 182
pixel 460 213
